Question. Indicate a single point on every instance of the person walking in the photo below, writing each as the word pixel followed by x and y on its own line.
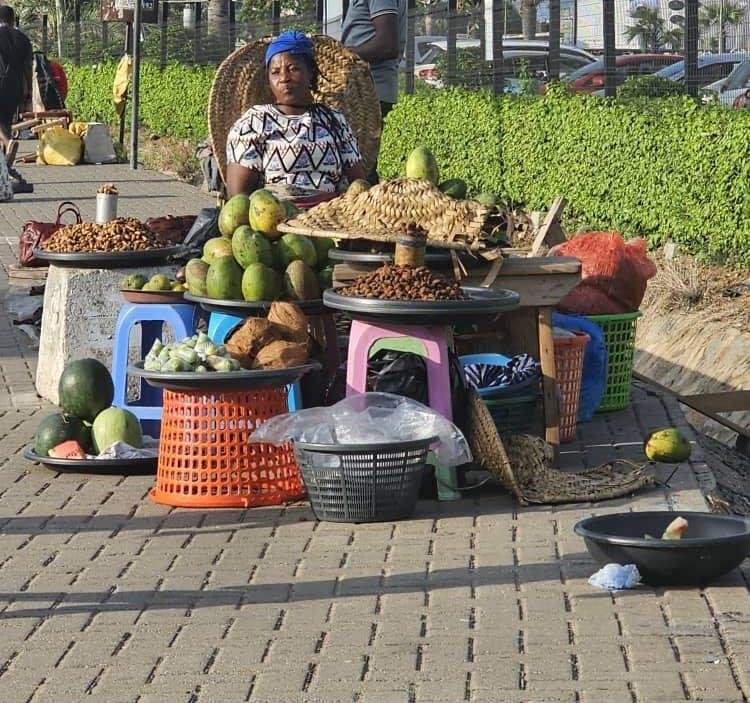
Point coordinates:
pixel 375 30
pixel 16 57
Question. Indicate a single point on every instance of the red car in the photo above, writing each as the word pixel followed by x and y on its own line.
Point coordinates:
pixel 589 79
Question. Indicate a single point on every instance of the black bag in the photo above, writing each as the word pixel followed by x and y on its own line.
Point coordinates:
pixel 205 154
pixel 205 227
pixel 405 373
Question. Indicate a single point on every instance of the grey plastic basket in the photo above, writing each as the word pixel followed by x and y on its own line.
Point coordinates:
pixel 363 482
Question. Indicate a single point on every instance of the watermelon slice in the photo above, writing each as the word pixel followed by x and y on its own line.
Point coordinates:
pixel 68 450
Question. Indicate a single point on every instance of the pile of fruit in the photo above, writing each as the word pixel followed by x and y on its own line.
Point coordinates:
pixel 253 261
pixel 86 422
pixel 197 353
pixel 121 234
pixel 158 282
pixel 404 283
pixel 279 341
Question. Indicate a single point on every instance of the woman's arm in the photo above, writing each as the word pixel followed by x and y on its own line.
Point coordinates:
pixel 241 180
pixel 354 172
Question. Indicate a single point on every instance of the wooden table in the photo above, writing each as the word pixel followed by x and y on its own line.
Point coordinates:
pixel 541 282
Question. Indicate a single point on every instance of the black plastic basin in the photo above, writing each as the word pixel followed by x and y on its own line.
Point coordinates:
pixel 711 546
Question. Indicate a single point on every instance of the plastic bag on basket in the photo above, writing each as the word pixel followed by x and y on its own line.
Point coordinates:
pixel 369 418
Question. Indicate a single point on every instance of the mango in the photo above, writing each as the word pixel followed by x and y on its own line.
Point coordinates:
pixel 295 247
pixel 251 247
pixel 454 187
pixel 224 279
pixel 195 276
pixel 266 212
pixel 236 212
pixel 300 282
pixel 422 164
pixel 260 282
pixel 667 446
pixel 215 248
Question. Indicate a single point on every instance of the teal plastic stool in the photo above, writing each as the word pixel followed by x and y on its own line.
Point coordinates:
pixel 445 476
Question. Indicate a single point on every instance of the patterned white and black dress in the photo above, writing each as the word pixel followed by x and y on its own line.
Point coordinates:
pixel 309 150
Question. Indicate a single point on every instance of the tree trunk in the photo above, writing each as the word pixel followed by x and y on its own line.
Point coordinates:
pixel 218 17
pixel 528 18
pixel 60 20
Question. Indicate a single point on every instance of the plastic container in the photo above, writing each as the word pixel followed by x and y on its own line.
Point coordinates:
pixel 205 460
pixel 569 353
pixel 494 359
pixel 363 482
pixel 619 337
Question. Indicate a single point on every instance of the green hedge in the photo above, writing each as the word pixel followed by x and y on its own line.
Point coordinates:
pixel 173 101
pixel 667 169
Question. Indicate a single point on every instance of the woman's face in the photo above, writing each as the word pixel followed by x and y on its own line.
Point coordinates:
pixel 290 79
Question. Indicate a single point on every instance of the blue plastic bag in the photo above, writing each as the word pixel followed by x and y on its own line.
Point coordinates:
pixel 594 379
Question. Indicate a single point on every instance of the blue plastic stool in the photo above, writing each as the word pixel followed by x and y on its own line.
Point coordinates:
pixel 221 325
pixel 181 318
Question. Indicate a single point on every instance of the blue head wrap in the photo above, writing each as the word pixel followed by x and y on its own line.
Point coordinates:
pixel 293 41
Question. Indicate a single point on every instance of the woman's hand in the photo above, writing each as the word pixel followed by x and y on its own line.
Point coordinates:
pixel 241 180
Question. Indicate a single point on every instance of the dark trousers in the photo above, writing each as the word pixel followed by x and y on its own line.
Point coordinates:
pixel 372 177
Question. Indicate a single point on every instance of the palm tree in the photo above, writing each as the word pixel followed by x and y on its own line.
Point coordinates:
pixel 651 30
pixel 528 18
pixel 722 15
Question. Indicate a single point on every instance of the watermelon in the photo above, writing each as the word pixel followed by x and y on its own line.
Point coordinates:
pixel 85 388
pixel 68 450
pixel 116 425
pixel 58 428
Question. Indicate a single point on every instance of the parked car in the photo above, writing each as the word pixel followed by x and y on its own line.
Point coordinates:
pixel 711 68
pixel 590 78
pixel 732 90
pixel 533 55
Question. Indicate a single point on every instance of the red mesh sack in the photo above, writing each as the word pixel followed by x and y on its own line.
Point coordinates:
pixel 614 273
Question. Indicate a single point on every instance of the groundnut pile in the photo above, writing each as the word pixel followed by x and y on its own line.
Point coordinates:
pixel 121 234
pixel 404 283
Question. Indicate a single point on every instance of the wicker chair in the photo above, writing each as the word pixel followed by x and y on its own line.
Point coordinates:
pixel 345 83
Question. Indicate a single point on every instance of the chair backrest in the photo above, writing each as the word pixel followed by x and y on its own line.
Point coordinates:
pixel 345 83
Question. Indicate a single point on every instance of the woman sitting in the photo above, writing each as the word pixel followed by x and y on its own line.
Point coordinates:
pixel 295 141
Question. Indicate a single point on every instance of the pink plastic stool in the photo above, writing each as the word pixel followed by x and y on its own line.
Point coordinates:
pixel 435 340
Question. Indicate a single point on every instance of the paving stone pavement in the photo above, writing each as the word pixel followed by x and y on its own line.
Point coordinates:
pixel 106 596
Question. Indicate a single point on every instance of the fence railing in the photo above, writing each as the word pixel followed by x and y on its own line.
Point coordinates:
pixel 447 44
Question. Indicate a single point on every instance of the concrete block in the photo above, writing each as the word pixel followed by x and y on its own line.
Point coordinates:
pixel 78 319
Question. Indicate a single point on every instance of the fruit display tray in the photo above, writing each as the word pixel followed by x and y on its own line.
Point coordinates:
pixel 143 466
pixel 133 295
pixel 246 308
pixel 481 303
pixel 106 259
pixel 222 380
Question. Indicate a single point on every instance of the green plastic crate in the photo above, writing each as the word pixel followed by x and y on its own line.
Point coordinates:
pixel 619 338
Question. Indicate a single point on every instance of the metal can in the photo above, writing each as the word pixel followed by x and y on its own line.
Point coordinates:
pixel 106 207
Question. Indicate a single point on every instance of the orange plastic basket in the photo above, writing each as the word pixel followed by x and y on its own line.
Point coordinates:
pixel 205 460
pixel 569 370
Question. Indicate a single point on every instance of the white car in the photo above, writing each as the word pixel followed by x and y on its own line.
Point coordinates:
pixel 533 55
pixel 732 90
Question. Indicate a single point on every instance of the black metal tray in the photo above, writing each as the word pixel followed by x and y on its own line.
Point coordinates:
pixel 106 259
pixel 222 380
pixel 433 259
pixel 132 467
pixel 482 303
pixel 247 308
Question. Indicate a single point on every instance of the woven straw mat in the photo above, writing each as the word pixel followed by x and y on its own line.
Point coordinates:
pixel 524 466
pixel 345 83
pixel 384 208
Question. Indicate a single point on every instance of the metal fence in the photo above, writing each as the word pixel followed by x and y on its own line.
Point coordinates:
pixel 476 43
